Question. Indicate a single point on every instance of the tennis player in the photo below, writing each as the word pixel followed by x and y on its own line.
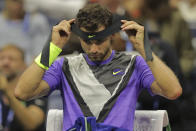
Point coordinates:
pixel 100 87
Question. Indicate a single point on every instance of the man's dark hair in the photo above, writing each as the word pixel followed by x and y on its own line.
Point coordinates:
pixel 92 16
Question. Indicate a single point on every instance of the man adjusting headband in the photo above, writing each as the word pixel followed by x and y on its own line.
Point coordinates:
pixel 97 84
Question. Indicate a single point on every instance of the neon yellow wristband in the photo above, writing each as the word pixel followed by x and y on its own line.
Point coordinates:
pixel 53 54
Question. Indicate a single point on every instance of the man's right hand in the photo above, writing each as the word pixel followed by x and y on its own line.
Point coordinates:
pixel 61 33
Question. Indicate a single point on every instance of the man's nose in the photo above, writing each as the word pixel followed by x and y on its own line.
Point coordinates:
pixel 94 48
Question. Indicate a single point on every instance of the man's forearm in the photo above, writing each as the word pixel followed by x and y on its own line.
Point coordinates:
pixel 28 118
pixel 165 78
pixel 29 82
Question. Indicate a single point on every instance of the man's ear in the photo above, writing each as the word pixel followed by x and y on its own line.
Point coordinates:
pixel 112 37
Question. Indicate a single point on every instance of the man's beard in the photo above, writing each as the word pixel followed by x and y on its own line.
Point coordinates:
pixel 99 57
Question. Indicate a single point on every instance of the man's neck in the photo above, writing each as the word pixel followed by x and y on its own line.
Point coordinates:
pixel 109 53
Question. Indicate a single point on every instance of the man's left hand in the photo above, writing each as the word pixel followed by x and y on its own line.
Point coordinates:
pixel 135 34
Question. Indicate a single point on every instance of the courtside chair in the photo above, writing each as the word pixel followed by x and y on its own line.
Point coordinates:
pixel 145 120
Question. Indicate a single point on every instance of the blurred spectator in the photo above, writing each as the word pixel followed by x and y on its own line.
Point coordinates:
pixel 173 29
pixel 16 115
pixel 29 31
pixel 174 3
pixel 168 54
pixel 113 5
pixel 1 4
pixel 172 35
pixel 188 10
pixel 55 9
pixel 133 8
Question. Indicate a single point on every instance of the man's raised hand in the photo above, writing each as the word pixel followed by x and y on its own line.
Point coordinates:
pixel 61 33
pixel 135 34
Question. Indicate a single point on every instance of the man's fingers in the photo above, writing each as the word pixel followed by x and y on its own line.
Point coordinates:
pixel 126 23
pixel 132 26
pixel 132 38
pixel 62 22
pixel 65 22
pixel 65 26
pixel 129 27
pixel 71 21
pixel 123 21
pixel 63 30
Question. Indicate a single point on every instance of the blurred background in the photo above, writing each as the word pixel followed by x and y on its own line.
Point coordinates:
pixel 172 31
